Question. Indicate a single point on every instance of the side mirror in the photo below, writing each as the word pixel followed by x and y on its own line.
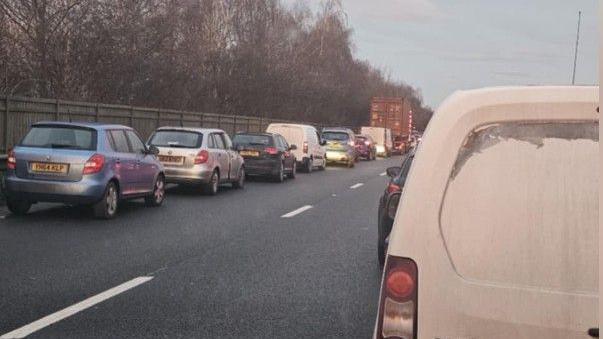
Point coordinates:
pixel 237 148
pixel 292 147
pixel 153 150
pixel 393 172
pixel 323 142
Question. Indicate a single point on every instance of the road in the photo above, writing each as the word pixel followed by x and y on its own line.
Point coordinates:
pixel 222 266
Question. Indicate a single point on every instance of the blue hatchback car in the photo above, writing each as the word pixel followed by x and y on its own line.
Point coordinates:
pixel 82 163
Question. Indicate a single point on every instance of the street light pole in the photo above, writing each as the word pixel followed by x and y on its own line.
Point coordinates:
pixel 576 49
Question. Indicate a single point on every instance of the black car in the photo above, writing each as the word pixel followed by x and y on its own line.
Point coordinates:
pixel 266 154
pixel 388 204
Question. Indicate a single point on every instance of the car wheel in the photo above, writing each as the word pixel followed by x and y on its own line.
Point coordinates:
pixel 324 165
pixel 293 170
pixel 240 183
pixel 18 206
pixel 308 165
pixel 106 208
pixel 211 188
pixel 158 196
pixel 280 176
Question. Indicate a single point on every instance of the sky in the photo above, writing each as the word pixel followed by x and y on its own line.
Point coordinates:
pixel 441 46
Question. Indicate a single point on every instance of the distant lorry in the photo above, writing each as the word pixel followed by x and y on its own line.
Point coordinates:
pixel 382 138
pixel 393 113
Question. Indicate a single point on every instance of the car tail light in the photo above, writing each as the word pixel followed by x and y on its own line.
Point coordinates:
pixel 351 143
pixel 11 160
pixel 305 147
pixel 398 301
pixel 201 157
pixel 94 164
pixel 393 188
pixel 271 150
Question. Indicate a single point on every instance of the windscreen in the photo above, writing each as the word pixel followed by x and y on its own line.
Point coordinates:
pixel 521 207
pixel 181 139
pixel 335 136
pixel 64 137
pixel 252 139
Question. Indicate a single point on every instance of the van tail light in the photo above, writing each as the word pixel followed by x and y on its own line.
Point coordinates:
pixel 94 164
pixel 398 300
pixel 11 160
pixel 305 147
pixel 271 150
pixel 201 157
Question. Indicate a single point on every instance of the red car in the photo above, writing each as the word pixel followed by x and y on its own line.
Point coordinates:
pixel 365 147
pixel 400 145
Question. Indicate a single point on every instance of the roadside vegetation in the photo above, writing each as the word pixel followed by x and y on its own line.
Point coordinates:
pixel 251 57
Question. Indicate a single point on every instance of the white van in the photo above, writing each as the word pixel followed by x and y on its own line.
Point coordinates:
pixel 310 152
pixel 496 233
pixel 382 137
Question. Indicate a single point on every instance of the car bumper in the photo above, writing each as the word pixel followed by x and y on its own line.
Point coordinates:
pixel 85 191
pixel 338 157
pixel 262 166
pixel 194 175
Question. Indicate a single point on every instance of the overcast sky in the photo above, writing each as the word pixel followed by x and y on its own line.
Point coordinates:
pixel 440 46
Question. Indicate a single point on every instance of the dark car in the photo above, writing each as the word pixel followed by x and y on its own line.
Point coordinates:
pixel 388 204
pixel 365 147
pixel 82 163
pixel 400 145
pixel 266 154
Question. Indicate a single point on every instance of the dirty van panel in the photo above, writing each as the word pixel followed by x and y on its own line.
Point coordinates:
pixel 521 206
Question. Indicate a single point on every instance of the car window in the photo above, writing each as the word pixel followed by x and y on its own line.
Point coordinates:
pixel 335 136
pixel 64 137
pixel 120 143
pixel 135 142
pixel 252 139
pixel 218 141
pixel 522 198
pixel 182 139
pixel 210 141
pixel 226 140
pixel 404 170
pixel 284 143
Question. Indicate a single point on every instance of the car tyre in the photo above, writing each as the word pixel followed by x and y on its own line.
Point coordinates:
pixel 18 206
pixel 280 176
pixel 158 195
pixel 324 165
pixel 308 165
pixel 293 170
pixel 240 183
pixel 106 208
pixel 211 188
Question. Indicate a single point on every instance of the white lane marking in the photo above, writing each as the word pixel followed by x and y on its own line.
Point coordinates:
pixel 383 174
pixel 355 186
pixel 296 212
pixel 73 309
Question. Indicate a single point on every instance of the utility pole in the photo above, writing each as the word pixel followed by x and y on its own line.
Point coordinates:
pixel 576 50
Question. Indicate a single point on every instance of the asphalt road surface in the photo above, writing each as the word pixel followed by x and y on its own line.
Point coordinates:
pixel 222 266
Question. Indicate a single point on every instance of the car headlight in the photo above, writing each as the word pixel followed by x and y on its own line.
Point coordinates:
pixel 392 205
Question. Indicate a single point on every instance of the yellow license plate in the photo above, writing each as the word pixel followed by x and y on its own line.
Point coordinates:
pixel 48 167
pixel 167 159
pixel 250 153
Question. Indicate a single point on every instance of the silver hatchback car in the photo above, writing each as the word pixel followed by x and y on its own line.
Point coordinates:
pixel 198 156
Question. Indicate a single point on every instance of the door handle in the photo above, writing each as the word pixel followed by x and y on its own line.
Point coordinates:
pixel 593 332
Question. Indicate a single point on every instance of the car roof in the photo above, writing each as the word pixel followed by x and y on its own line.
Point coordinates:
pixel 191 129
pixel 86 124
pixel 258 133
pixel 336 129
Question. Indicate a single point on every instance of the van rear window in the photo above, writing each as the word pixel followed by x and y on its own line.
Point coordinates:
pixel 64 137
pixel 521 206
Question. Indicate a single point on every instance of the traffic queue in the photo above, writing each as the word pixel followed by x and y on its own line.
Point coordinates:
pixel 98 165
